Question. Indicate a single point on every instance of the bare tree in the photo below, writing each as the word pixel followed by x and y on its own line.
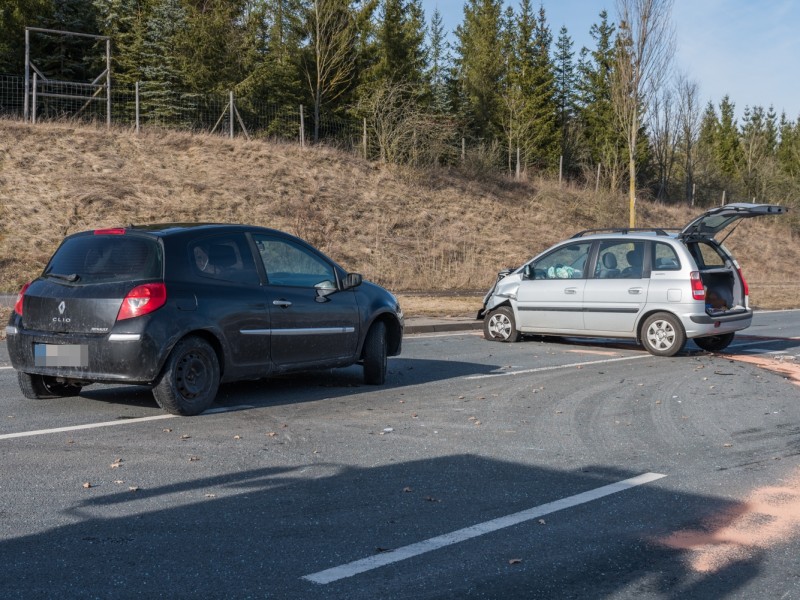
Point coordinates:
pixel 329 64
pixel 689 112
pixel 643 55
pixel 405 133
pixel 663 122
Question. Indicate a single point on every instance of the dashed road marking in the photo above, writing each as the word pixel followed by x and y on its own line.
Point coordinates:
pixel 21 434
pixel 448 539
pixel 556 367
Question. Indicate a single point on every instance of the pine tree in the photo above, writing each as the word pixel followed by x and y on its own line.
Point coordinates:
pixel 601 142
pixel 438 64
pixel 399 44
pixel 565 94
pixel 542 107
pixel 479 64
pixel 728 151
pixel 15 15
pixel 161 73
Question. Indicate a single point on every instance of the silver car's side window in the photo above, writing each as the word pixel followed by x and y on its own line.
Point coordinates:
pixel 567 262
pixel 619 260
pixel 665 258
pixel 289 264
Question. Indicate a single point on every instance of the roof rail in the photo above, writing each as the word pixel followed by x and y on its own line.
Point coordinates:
pixel 625 230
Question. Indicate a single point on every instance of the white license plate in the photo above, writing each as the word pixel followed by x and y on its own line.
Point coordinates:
pixel 61 355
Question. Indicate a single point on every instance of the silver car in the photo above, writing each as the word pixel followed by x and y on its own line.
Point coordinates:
pixel 656 286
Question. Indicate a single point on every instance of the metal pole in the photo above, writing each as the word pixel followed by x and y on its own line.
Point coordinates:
pixel 597 182
pixel 365 138
pixel 108 83
pixel 33 112
pixel 560 169
pixel 27 72
pixel 463 149
pixel 137 107
pixel 230 106
pixel 518 167
pixel 302 127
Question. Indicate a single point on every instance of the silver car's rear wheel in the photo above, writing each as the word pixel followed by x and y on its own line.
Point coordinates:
pixel 663 335
pixel 499 326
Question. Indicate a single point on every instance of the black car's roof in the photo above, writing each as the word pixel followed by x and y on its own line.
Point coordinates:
pixel 175 228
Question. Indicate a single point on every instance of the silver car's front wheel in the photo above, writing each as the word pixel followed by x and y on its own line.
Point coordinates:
pixel 499 326
pixel 663 335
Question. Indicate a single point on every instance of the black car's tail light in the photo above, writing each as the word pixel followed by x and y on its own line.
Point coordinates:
pixel 20 297
pixel 143 299
pixel 110 231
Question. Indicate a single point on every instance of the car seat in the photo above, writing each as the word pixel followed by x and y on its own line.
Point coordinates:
pixel 634 270
pixel 609 267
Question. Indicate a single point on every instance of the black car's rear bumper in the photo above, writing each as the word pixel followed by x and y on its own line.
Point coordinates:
pixel 130 358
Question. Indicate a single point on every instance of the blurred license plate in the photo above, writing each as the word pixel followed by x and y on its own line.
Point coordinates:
pixel 61 355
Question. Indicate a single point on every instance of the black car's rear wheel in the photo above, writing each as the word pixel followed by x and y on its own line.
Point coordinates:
pixel 499 326
pixel 714 343
pixel 375 355
pixel 190 379
pixel 42 387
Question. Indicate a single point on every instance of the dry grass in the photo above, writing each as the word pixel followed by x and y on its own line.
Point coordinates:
pixel 408 230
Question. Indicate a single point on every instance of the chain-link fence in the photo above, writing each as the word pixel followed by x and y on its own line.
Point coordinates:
pixel 151 104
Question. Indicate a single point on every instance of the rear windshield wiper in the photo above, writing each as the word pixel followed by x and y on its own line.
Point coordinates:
pixel 71 277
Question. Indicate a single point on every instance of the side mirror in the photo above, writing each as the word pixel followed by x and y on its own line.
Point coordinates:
pixel 352 280
pixel 528 272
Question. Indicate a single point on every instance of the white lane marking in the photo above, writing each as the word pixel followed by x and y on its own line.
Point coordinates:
pixel 419 336
pixel 555 367
pixel 6 367
pixel 20 434
pixel 435 543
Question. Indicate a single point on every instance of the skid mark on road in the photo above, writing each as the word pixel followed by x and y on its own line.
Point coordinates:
pixel 769 516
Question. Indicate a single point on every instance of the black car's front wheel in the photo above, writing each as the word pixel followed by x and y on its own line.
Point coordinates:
pixel 190 379
pixel 375 354
pixel 42 387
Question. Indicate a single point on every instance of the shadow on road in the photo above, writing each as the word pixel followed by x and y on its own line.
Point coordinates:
pixel 256 533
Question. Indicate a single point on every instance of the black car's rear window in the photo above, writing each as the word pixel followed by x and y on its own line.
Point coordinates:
pixel 103 258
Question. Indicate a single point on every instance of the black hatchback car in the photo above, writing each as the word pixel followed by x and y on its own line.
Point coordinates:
pixel 183 308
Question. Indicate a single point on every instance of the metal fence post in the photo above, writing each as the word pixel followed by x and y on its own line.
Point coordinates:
pixel 137 107
pixel 33 111
pixel 27 74
pixel 230 107
pixel 108 83
pixel 302 127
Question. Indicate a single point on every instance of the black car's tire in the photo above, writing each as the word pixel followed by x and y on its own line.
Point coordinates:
pixel 189 382
pixel 375 355
pixel 500 326
pixel 715 343
pixel 663 335
pixel 42 387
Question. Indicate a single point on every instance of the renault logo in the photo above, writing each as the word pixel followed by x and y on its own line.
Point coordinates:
pixel 61 308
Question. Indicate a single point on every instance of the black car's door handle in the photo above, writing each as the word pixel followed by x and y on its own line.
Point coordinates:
pixel 282 303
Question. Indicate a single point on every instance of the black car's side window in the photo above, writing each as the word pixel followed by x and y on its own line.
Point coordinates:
pixel 227 258
pixel 287 263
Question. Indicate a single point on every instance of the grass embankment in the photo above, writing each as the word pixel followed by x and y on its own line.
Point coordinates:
pixel 406 229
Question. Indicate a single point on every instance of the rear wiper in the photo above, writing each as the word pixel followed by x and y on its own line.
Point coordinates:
pixel 71 277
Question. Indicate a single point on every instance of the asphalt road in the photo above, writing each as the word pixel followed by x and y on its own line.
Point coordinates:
pixel 544 469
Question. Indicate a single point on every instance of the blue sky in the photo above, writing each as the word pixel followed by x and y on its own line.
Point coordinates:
pixel 747 49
